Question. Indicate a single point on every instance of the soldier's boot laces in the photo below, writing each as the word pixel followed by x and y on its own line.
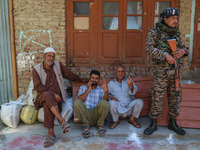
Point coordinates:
pixel 174 127
pixel 152 127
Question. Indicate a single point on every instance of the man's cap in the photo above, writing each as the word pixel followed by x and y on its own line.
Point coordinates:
pixel 169 12
pixel 49 49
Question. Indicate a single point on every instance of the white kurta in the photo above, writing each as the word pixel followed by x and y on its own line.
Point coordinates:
pixel 128 104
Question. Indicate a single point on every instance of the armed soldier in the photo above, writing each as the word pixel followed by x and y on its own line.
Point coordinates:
pixel 163 68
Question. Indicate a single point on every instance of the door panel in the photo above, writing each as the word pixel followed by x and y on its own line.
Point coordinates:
pixel 110 50
pixel 81 32
pixel 81 50
pixel 134 41
pixel 198 47
pixel 134 32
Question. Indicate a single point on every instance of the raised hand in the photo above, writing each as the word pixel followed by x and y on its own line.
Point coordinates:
pixel 104 85
pixel 129 81
pixel 130 84
pixel 89 84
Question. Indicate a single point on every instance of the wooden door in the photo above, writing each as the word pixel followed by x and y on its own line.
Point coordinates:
pixel 110 31
pixel 196 51
pixel 134 31
pixel 82 36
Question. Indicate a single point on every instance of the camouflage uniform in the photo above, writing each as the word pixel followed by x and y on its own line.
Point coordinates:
pixel 158 47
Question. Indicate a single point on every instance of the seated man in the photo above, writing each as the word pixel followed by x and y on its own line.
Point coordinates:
pixel 123 103
pixel 91 105
pixel 48 82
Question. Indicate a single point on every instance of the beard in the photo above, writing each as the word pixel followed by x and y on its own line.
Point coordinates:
pixel 49 62
pixel 94 83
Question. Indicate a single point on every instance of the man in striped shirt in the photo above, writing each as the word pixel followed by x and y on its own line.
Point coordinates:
pixel 91 105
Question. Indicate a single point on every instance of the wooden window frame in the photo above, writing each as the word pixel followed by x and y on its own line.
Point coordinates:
pixel 196 53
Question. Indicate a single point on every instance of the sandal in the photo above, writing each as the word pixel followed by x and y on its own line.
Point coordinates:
pixel 50 140
pixel 101 129
pixel 65 126
pixel 114 124
pixel 86 131
pixel 135 123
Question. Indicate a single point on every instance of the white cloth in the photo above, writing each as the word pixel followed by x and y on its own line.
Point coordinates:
pixel 128 104
pixel 49 49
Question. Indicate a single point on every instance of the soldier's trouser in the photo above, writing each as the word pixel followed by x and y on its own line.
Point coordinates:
pixel 162 83
pixel 94 116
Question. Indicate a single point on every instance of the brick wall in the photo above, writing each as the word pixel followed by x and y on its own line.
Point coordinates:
pixel 185 6
pixel 41 23
pixel 37 24
pixel 109 72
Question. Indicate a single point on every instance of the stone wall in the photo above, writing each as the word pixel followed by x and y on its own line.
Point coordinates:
pixel 42 23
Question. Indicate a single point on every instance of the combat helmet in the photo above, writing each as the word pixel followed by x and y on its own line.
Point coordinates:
pixel 169 12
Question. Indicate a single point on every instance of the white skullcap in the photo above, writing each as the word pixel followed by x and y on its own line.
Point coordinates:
pixel 49 49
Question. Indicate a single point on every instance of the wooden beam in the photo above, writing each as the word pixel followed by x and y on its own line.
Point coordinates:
pixel 14 68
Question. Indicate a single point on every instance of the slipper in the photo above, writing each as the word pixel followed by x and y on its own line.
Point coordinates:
pixel 86 131
pixel 113 125
pixel 135 123
pixel 51 140
pixel 102 130
pixel 65 125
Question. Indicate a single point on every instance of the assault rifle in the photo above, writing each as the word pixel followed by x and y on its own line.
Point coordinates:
pixel 172 44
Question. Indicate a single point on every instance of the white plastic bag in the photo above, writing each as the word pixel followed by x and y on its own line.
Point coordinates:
pixel 10 112
pixel 67 111
pixel 30 94
pixel 41 115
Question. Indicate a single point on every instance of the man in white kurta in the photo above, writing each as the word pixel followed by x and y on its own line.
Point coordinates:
pixel 122 100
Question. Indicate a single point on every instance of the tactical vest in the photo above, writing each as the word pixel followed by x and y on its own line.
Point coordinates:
pixel 163 34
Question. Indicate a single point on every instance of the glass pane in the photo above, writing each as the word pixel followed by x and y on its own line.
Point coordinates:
pixel 110 23
pixel 134 7
pixel 110 8
pixel 156 20
pixel 199 16
pixel 81 8
pixel 160 6
pixel 81 23
pixel 199 4
pixel 134 22
pixel 198 29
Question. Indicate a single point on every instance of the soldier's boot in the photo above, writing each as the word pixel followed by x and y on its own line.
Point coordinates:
pixel 152 127
pixel 174 127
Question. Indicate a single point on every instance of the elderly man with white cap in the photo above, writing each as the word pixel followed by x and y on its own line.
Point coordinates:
pixel 48 82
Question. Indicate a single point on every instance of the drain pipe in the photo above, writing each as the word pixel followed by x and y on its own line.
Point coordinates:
pixel 14 68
